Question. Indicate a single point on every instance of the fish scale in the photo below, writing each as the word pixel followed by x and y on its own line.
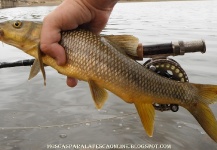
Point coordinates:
pixel 93 66
pixel 103 62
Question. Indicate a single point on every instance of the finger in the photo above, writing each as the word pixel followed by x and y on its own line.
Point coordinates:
pixel 50 36
pixel 72 82
pixel 54 50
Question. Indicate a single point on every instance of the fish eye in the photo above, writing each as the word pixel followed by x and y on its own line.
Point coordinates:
pixel 17 24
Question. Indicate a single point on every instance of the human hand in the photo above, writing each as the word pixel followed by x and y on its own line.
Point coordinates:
pixel 91 14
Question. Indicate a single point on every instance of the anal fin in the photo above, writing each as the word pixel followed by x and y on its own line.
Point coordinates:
pixel 147 113
pixel 99 94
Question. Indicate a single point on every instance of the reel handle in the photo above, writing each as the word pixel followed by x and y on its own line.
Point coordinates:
pixel 180 47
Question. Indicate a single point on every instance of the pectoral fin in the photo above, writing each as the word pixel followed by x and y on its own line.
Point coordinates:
pixel 41 64
pixel 99 94
pixel 147 114
pixel 34 69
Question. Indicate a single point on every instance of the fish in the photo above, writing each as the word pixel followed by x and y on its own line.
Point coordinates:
pixel 103 62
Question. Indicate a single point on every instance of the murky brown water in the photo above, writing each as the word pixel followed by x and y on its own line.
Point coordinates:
pixel 33 116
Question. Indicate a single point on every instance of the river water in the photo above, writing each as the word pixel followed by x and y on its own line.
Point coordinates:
pixel 33 116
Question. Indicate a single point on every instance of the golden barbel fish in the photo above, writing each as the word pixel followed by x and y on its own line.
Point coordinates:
pixel 102 62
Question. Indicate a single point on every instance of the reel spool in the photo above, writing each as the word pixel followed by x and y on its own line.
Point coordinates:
pixel 168 68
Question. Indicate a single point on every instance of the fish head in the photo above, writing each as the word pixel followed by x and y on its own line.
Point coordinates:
pixel 24 35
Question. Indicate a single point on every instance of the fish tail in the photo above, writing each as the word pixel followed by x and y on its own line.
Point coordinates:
pixel 208 93
pixel 201 111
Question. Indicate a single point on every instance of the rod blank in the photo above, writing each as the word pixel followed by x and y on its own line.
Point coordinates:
pixel 27 62
pixel 143 51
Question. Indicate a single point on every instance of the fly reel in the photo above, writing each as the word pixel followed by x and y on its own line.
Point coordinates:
pixel 168 68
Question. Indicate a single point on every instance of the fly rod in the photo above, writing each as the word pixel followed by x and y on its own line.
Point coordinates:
pixel 27 62
pixel 143 51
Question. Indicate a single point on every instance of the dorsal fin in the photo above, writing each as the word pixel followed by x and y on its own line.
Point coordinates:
pixel 127 43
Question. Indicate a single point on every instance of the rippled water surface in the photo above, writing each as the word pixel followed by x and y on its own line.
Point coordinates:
pixel 32 116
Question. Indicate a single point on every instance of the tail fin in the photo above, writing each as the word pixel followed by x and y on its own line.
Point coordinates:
pixel 207 92
pixel 201 111
pixel 205 118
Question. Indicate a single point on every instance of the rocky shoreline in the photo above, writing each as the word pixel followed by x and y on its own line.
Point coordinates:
pixel 26 3
pixel 39 3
